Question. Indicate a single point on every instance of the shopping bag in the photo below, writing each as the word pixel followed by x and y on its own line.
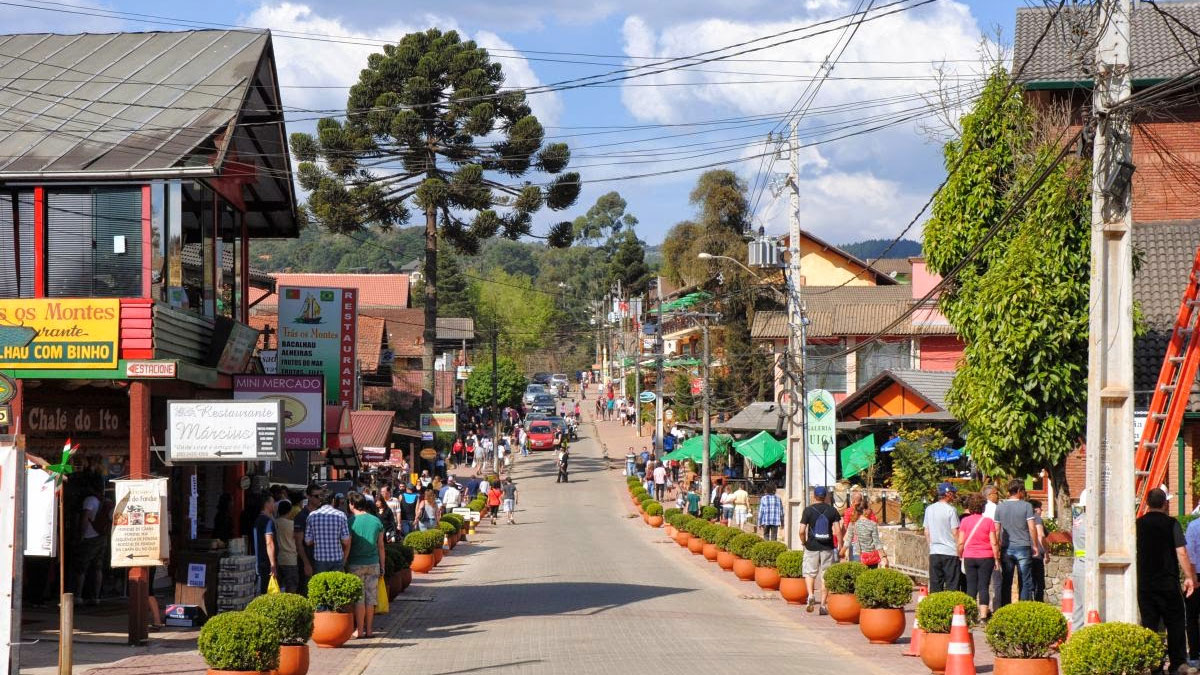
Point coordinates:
pixel 272 585
pixel 381 603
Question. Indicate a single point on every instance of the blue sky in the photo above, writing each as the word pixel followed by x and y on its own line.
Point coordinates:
pixel 867 185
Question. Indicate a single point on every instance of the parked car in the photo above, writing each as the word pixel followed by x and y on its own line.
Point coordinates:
pixel 531 391
pixel 543 403
pixel 542 436
pixel 535 417
pixel 541 378
pixel 559 423
pixel 559 380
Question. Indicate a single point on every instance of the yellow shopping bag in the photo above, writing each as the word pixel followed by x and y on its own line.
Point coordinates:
pixel 381 603
pixel 272 585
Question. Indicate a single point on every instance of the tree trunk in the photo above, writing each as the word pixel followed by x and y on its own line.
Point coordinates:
pixel 1062 495
pixel 429 352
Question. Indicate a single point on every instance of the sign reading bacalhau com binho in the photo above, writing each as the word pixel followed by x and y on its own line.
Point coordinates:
pixel 224 431
pixel 51 333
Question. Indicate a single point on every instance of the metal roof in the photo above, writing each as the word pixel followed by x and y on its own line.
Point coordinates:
pixel 931 385
pixel 1168 249
pixel 849 310
pixel 758 416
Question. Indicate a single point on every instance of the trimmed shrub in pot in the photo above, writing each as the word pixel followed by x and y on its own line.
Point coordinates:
pixel 239 642
pixel 709 533
pixel 423 545
pixel 1112 649
pixel 709 512
pixel 938 610
pixel 332 595
pixel 1023 636
pixel 654 513
pixel 397 567
pixel 882 594
pixel 672 511
pixel 790 566
pixel 740 546
pixel 763 556
pixel 725 535
pixel 839 588
pixel 292 616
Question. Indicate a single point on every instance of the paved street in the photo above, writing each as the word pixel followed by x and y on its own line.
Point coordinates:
pixel 579 586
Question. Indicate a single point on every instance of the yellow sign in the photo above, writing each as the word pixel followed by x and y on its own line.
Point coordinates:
pixel 52 333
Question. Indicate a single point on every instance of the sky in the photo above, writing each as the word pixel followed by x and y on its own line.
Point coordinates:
pixel 872 131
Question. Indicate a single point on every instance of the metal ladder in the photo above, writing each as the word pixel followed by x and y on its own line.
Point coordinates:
pixel 1171 393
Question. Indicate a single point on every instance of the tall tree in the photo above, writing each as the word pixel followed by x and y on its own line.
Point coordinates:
pixel 604 219
pixel 523 314
pixel 429 126
pixel 459 295
pixel 627 263
pixel 510 383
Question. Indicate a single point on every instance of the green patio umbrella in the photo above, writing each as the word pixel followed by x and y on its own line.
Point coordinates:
pixel 693 448
pixel 762 450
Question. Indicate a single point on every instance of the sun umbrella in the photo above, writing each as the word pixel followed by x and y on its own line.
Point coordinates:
pixel 762 450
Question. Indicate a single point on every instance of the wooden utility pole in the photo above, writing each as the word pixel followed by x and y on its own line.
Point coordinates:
pixel 1110 572
pixel 796 496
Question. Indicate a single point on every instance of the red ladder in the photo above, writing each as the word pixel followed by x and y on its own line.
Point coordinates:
pixel 1170 394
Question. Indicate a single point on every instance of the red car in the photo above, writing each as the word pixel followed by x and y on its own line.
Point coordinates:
pixel 542 436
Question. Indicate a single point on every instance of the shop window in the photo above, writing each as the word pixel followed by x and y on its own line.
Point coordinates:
pixel 825 369
pixel 198 255
pixel 879 356
pixel 94 242
pixel 16 244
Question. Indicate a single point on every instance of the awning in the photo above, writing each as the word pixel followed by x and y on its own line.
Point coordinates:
pixel 762 450
pixel 339 438
pixel 687 301
pixel 693 448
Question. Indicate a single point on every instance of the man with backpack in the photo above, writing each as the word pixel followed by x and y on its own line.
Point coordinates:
pixel 820 528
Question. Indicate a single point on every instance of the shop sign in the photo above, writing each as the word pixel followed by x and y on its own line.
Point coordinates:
pixel 647 397
pixel 697 386
pixel 5 415
pixel 139 527
pixel 270 360
pixel 51 333
pixel 224 431
pixel 239 347
pixel 12 460
pixel 822 431
pixel 429 453
pixel 41 513
pixel 8 389
pixel 146 370
pixel 303 398
pixel 317 328
pixel 463 373
pixel 75 421
pixel 439 422
pixel 374 454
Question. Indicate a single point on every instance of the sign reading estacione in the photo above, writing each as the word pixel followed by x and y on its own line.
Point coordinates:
pixel 49 333
pixel 224 431
pixel 139 523
pixel 317 329
pixel 822 438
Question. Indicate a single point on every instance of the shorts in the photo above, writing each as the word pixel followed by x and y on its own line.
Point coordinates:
pixel 816 562
pixel 740 515
pixel 370 578
pixel 509 506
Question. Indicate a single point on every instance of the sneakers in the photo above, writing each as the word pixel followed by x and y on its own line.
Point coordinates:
pixel 812 604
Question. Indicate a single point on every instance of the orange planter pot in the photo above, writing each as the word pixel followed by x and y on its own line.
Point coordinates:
pixel 293 660
pixel 934 649
pixel 795 591
pixel 725 560
pixel 438 554
pixel 394 586
pixel 405 579
pixel 682 538
pixel 671 531
pixel 210 671
pixel 881 626
pixel 696 545
pixel 422 563
pixel 1046 666
pixel 710 552
pixel 655 521
pixel 332 629
pixel 843 608
pixel 743 569
pixel 767 578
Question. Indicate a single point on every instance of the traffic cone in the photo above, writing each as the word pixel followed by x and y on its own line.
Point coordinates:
pixel 914 642
pixel 1068 603
pixel 1093 617
pixel 959 659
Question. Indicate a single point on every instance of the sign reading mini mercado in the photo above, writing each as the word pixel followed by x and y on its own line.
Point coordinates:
pixel 224 431
pixel 303 398
pixel 52 333
pixel 139 525
pixel 317 329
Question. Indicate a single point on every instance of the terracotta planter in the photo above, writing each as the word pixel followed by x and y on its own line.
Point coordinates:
pixel 1046 666
pixel 743 569
pixel 725 560
pixel 210 671
pixel 438 554
pixel 655 521
pixel 934 648
pixel 645 518
pixel 843 608
pixel 767 578
pixel 710 552
pixel 332 629
pixel 671 531
pixel 881 626
pixel 682 538
pixel 422 563
pixel 405 579
pixel 696 545
pixel 394 586
pixel 795 591
pixel 293 660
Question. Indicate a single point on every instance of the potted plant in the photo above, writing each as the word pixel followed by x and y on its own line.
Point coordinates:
pixel 790 566
pixel 292 616
pixel 654 513
pixel 422 544
pixel 1112 649
pixel 1023 636
pixel 709 513
pixel 449 530
pixel 695 542
pixel 398 568
pixel 668 516
pixel 724 536
pixel 763 555
pixel 333 594
pixel 839 591
pixel 239 643
pixel 438 538
pixel 882 594
pixel 682 536
pixel 708 535
pixel 458 523
pixel 934 614
pixel 740 546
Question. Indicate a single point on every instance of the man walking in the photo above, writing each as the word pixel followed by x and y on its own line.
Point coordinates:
pixel 509 504
pixel 1018 542
pixel 820 527
pixel 328 532
pixel 563 457
pixel 264 543
pixel 1192 539
pixel 1161 553
pixel 630 462
pixel 660 481
pixel 941 532
pixel 770 513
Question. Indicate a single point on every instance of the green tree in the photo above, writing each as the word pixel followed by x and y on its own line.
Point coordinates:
pixel 432 110
pixel 915 473
pixel 627 264
pixel 524 316
pixel 460 296
pixel 514 257
pixel 605 218
pixel 510 383
pixel 1021 306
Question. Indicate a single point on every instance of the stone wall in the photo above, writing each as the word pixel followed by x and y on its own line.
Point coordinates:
pixel 1058 570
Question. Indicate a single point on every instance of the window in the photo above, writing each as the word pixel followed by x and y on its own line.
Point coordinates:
pixel 880 356
pixel 16 244
pixel 94 242
pixel 824 372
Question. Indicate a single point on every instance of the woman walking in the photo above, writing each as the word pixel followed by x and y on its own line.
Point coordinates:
pixel 427 512
pixel 979 547
pixel 864 537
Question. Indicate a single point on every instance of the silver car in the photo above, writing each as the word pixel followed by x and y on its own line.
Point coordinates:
pixel 530 392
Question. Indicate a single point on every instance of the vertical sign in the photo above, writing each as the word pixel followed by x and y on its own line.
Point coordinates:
pixel 822 436
pixel 12 459
pixel 41 513
pixel 139 523
pixel 317 328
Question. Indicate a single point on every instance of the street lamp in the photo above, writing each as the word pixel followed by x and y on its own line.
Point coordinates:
pixel 709 256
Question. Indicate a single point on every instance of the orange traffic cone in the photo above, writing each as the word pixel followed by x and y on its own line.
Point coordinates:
pixel 959 659
pixel 1068 603
pixel 1093 617
pixel 914 642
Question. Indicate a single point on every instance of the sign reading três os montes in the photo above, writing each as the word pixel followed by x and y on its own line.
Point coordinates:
pixel 51 333
pixel 317 328
pixel 303 398
pixel 224 431
pixel 139 522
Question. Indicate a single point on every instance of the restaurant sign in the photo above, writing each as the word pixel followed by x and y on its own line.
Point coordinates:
pixel 224 431
pixel 317 329
pixel 439 422
pixel 51 333
pixel 139 526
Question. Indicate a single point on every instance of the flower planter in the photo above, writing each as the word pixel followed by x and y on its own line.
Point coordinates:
pixel 671 531
pixel 710 552
pixel 332 629
pixel 438 554
pixel 881 626
pixel 682 538
pixel 934 648
pixel 645 518
pixel 395 586
pixel 743 569
pixel 725 560
pixel 843 608
pixel 794 590
pixel 210 671
pixel 422 563
pixel 293 660
pixel 767 578
pixel 1046 666
pixel 696 545
pixel 655 521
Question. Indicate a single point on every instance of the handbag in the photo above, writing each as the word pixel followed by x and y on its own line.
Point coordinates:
pixel 869 558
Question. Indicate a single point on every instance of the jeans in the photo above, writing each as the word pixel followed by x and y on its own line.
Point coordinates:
pixel 770 532
pixel 979 578
pixel 405 527
pixel 1039 579
pixel 1165 605
pixel 1019 559
pixel 943 572
pixel 328 566
pixel 629 468
pixel 660 489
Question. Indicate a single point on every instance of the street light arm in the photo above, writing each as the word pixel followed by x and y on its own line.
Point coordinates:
pixel 709 256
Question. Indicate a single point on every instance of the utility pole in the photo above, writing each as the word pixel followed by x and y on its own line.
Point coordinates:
pixel 1110 584
pixel 797 441
pixel 659 349
pixel 495 412
pixel 705 472
pixel 637 372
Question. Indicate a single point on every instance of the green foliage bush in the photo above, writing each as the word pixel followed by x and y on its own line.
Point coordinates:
pixel 334 591
pixel 458 520
pixel 671 511
pixel 694 526
pixel 742 544
pixel 291 614
pixel 883 589
pixel 936 611
pixel 423 542
pixel 397 558
pixel 654 509
pixel 724 536
pixel 681 522
pixel 709 512
pixel 672 519
pixel 1025 630
pixel 1112 649
pixel 448 528
pixel 708 532
pixel 240 641
pixel 839 578
pixel 764 553
pixel 790 564
pixel 438 537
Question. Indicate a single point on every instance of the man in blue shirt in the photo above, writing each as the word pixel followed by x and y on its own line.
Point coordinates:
pixel 668 442
pixel 770 513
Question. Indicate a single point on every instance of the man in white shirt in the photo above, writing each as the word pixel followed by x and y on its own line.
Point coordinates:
pixel 660 481
pixel 453 493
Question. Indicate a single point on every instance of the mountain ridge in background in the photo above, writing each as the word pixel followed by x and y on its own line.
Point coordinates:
pixel 871 249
